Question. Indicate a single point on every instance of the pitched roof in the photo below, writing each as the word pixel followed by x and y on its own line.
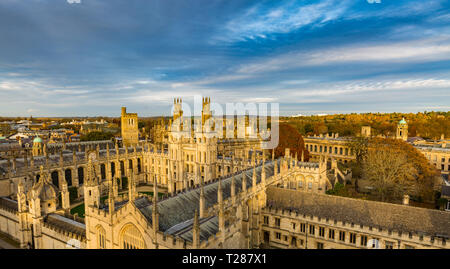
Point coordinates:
pixel 181 208
pixel 66 224
pixel 362 212
pixel 8 204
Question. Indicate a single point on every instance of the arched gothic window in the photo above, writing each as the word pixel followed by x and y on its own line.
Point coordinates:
pixel 131 238
pixel 101 237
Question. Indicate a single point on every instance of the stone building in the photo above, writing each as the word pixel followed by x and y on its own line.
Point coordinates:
pixel 267 205
pixel 331 147
pixel 217 193
pixel 337 148
pixel 37 149
pixel 366 131
pixel 297 219
pixel 129 127
pixel 402 130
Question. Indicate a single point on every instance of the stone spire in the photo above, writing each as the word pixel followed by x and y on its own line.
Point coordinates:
pixel 111 203
pixel 61 159
pixel 202 200
pixel 74 156
pixel 233 188
pixel 219 192
pixel 263 171
pixel 244 182
pixel 45 150
pixel 131 185
pixel 107 151
pixel 196 231
pixel 97 151
pixel 91 176
pixel 169 178
pixel 254 177
pixel 155 213
pixel 65 196
pixel 221 210
pixel 21 198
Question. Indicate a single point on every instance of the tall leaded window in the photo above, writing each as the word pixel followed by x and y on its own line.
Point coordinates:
pixel 131 238
pixel 101 237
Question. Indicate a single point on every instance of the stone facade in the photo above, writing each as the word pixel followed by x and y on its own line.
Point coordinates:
pixel 337 148
pixel 129 127
pixel 297 219
pixel 218 193
pixel 258 207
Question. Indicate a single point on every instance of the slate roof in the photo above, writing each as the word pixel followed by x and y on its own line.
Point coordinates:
pixel 181 208
pixel 208 227
pixel 66 224
pixel 362 212
pixel 8 204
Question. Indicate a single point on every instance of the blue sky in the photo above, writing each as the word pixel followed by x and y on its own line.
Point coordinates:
pixel 323 56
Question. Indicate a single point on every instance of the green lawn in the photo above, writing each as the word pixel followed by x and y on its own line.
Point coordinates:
pixel 80 208
pixel 160 195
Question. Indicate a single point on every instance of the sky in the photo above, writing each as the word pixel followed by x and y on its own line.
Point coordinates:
pixel 63 58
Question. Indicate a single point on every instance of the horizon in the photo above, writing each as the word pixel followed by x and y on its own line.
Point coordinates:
pixel 169 116
pixel 60 57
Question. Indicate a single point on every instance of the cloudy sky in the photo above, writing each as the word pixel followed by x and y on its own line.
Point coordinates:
pixel 324 56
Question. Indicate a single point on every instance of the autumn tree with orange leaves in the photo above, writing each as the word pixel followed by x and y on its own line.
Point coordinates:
pixel 395 168
pixel 290 138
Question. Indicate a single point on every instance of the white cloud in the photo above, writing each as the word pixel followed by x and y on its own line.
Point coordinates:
pixel 260 21
pixel 414 51
pixel 350 89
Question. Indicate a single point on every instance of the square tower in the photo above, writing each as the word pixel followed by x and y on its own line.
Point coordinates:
pixel 402 130
pixel 129 128
pixel 365 131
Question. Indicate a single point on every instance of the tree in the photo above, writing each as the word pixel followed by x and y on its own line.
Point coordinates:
pixel 290 138
pixel 339 189
pixel 395 167
pixel 359 147
pixel 389 172
pixel 320 128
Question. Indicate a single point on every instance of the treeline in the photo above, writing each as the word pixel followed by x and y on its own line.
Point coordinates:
pixel 428 125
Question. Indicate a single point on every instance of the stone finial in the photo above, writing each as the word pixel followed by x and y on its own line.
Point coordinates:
pixel 254 177
pixel 196 231
pixel 406 199
pixel 202 201
pixel 233 186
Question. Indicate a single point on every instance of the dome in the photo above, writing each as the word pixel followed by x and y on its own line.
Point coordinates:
pixel 402 121
pixel 44 189
pixel 37 140
pixel 46 192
